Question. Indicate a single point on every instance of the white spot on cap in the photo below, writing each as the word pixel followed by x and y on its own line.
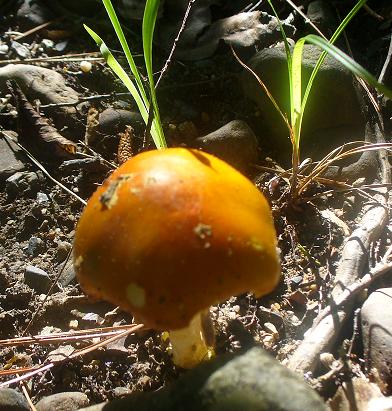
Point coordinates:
pixel 136 295
pixel 78 261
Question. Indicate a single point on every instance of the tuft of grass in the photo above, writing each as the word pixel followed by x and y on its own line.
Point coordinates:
pixel 298 99
pixel 136 87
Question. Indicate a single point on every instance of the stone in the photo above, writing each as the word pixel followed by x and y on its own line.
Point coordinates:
pixel 43 84
pixel 376 323
pixel 68 275
pixel 20 49
pixel 34 246
pixel 42 199
pixel 322 14
pixel 4 49
pixel 113 121
pixel 121 392
pixel 235 143
pixel 12 400
pixel 61 46
pixel 63 401
pixel 32 13
pixel 62 250
pixel 23 182
pixel 249 381
pixel 296 281
pixel 47 44
pixel 9 159
pixel 37 279
pixel 334 110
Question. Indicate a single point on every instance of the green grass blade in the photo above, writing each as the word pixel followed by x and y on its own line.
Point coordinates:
pixel 120 72
pixel 149 19
pixel 124 44
pixel 349 63
pixel 320 60
pixel 289 60
pixel 296 91
pixel 347 20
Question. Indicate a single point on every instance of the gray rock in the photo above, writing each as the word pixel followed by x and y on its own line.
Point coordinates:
pixel 376 321
pixel 235 143
pixel 33 13
pixel 61 46
pixel 34 246
pixel 63 401
pixel 42 199
pixel 9 161
pixel 44 84
pixel 251 381
pixel 121 392
pixel 113 121
pixel 20 49
pixel 47 44
pixel 23 182
pixel 322 14
pixel 12 400
pixel 334 108
pixel 68 275
pixel 37 279
pixel 4 49
pixel 63 248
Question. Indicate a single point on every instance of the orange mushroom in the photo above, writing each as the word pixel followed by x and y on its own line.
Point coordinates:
pixel 170 233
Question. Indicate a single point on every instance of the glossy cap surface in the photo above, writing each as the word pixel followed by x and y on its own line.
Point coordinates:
pixel 172 232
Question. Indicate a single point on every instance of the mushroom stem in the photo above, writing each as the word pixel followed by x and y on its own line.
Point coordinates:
pixel 194 343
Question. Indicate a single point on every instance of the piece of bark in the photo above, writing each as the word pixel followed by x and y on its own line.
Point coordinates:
pixel 36 133
pixel 91 126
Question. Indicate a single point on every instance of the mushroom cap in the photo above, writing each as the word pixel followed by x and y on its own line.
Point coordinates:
pixel 172 232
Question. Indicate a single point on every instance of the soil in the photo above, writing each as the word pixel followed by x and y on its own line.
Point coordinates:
pixel 207 95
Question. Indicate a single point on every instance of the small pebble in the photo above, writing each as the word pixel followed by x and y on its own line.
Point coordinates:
pixel 62 251
pixel 121 391
pixel 47 44
pixel 42 198
pixel 64 401
pixel 85 66
pixel 73 324
pixel 34 246
pixel 61 46
pixel 37 279
pixel 296 281
pixel 20 49
pixel 4 49
pixel 11 399
pixel 269 327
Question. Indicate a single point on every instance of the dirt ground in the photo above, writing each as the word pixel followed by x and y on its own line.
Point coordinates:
pixel 38 220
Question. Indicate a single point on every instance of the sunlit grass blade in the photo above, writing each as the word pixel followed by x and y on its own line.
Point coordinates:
pixel 349 63
pixel 138 91
pixel 296 92
pixel 124 44
pixel 263 86
pixel 298 125
pixel 149 19
pixel 120 72
pixel 289 59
